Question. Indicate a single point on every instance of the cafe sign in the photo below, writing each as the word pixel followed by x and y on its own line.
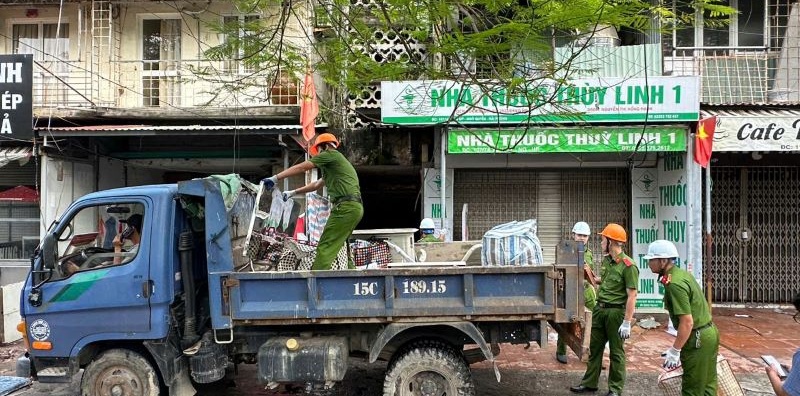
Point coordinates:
pixel 662 99
pixel 566 140
pixel 759 133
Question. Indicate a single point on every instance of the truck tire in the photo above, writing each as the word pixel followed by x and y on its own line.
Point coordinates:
pixel 428 368
pixel 119 372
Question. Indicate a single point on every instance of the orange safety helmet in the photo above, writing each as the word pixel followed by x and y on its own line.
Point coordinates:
pixel 615 232
pixel 324 138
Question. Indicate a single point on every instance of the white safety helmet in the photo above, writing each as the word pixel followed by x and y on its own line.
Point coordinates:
pixel 426 224
pixel 581 228
pixel 661 249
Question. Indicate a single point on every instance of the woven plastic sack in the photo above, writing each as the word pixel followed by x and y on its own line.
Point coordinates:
pixel 318 209
pixel 670 381
pixel 512 244
pixel 339 264
pixel 298 256
pixel 371 254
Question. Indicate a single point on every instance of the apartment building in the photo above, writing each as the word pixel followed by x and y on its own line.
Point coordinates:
pixel 124 93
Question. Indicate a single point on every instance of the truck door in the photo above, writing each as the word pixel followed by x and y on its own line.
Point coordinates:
pixel 98 287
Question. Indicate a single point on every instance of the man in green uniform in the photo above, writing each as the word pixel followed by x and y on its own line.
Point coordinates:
pixel 427 228
pixel 612 316
pixel 697 343
pixel 580 233
pixel 343 190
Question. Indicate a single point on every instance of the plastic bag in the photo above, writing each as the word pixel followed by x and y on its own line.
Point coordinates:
pixel 512 244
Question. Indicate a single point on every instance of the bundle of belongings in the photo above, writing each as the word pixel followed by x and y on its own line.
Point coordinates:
pixel 512 244
pixel 286 239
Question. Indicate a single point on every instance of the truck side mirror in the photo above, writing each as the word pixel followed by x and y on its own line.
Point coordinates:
pixel 47 259
pixel 48 249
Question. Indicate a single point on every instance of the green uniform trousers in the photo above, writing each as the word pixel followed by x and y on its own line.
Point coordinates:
pixel 605 327
pixel 700 364
pixel 343 220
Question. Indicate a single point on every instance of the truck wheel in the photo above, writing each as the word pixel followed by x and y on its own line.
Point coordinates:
pixel 428 369
pixel 119 372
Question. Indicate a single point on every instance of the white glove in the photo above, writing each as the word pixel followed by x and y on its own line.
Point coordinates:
pixel 625 330
pixel 270 182
pixel 672 358
pixel 287 195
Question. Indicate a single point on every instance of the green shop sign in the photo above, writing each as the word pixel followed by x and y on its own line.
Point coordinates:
pixel 566 140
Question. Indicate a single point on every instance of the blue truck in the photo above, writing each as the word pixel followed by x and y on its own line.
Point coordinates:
pixel 181 304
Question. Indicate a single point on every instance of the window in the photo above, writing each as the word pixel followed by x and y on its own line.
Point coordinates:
pixel 242 42
pixel 99 236
pixel 161 55
pixel 19 229
pixel 46 41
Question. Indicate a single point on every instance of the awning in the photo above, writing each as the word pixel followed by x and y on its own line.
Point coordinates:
pixel 19 194
pixel 9 154
pixel 180 130
pixel 745 130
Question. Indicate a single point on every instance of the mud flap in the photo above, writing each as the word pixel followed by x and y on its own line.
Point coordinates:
pixel 576 334
pixel 181 384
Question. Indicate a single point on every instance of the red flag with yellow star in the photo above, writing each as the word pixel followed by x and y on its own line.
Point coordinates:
pixel 703 140
pixel 309 108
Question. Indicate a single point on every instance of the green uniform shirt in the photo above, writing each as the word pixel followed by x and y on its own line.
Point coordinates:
pixel 682 296
pixel 429 238
pixel 589 293
pixel 618 275
pixel 339 175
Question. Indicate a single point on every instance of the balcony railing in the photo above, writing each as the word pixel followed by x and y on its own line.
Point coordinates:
pixel 736 75
pixel 161 84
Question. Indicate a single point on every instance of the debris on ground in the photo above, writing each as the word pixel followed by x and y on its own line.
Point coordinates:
pixel 649 323
pixel 742 316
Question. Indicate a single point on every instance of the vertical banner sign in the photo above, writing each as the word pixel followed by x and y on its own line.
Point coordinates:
pixel 433 202
pixel 16 96
pixel 645 225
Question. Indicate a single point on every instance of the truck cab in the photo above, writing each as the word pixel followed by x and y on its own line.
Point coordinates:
pixel 81 296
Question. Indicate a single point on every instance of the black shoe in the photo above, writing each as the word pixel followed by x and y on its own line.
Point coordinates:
pixel 581 389
pixel 561 358
pixel 612 393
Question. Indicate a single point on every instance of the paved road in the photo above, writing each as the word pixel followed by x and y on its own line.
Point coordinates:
pixel 363 380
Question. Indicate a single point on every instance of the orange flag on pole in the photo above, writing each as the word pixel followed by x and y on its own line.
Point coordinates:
pixel 309 108
pixel 703 140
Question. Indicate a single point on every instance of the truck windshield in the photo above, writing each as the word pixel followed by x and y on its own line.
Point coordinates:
pixel 99 236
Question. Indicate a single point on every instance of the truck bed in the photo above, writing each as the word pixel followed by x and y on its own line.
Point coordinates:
pixel 396 295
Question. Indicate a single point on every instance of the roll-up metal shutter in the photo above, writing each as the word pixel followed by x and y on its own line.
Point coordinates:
pixel 598 197
pixel 494 197
pixel 556 199
pixel 14 174
pixel 762 203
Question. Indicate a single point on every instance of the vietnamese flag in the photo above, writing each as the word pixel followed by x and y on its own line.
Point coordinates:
pixel 703 140
pixel 309 108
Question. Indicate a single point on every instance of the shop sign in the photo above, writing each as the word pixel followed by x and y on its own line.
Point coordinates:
pixel 596 100
pixel 16 96
pixel 662 200
pixel 432 199
pixel 566 140
pixel 757 134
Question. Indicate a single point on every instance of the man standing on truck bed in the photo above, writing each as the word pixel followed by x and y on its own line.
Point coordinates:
pixel 612 316
pixel 343 189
